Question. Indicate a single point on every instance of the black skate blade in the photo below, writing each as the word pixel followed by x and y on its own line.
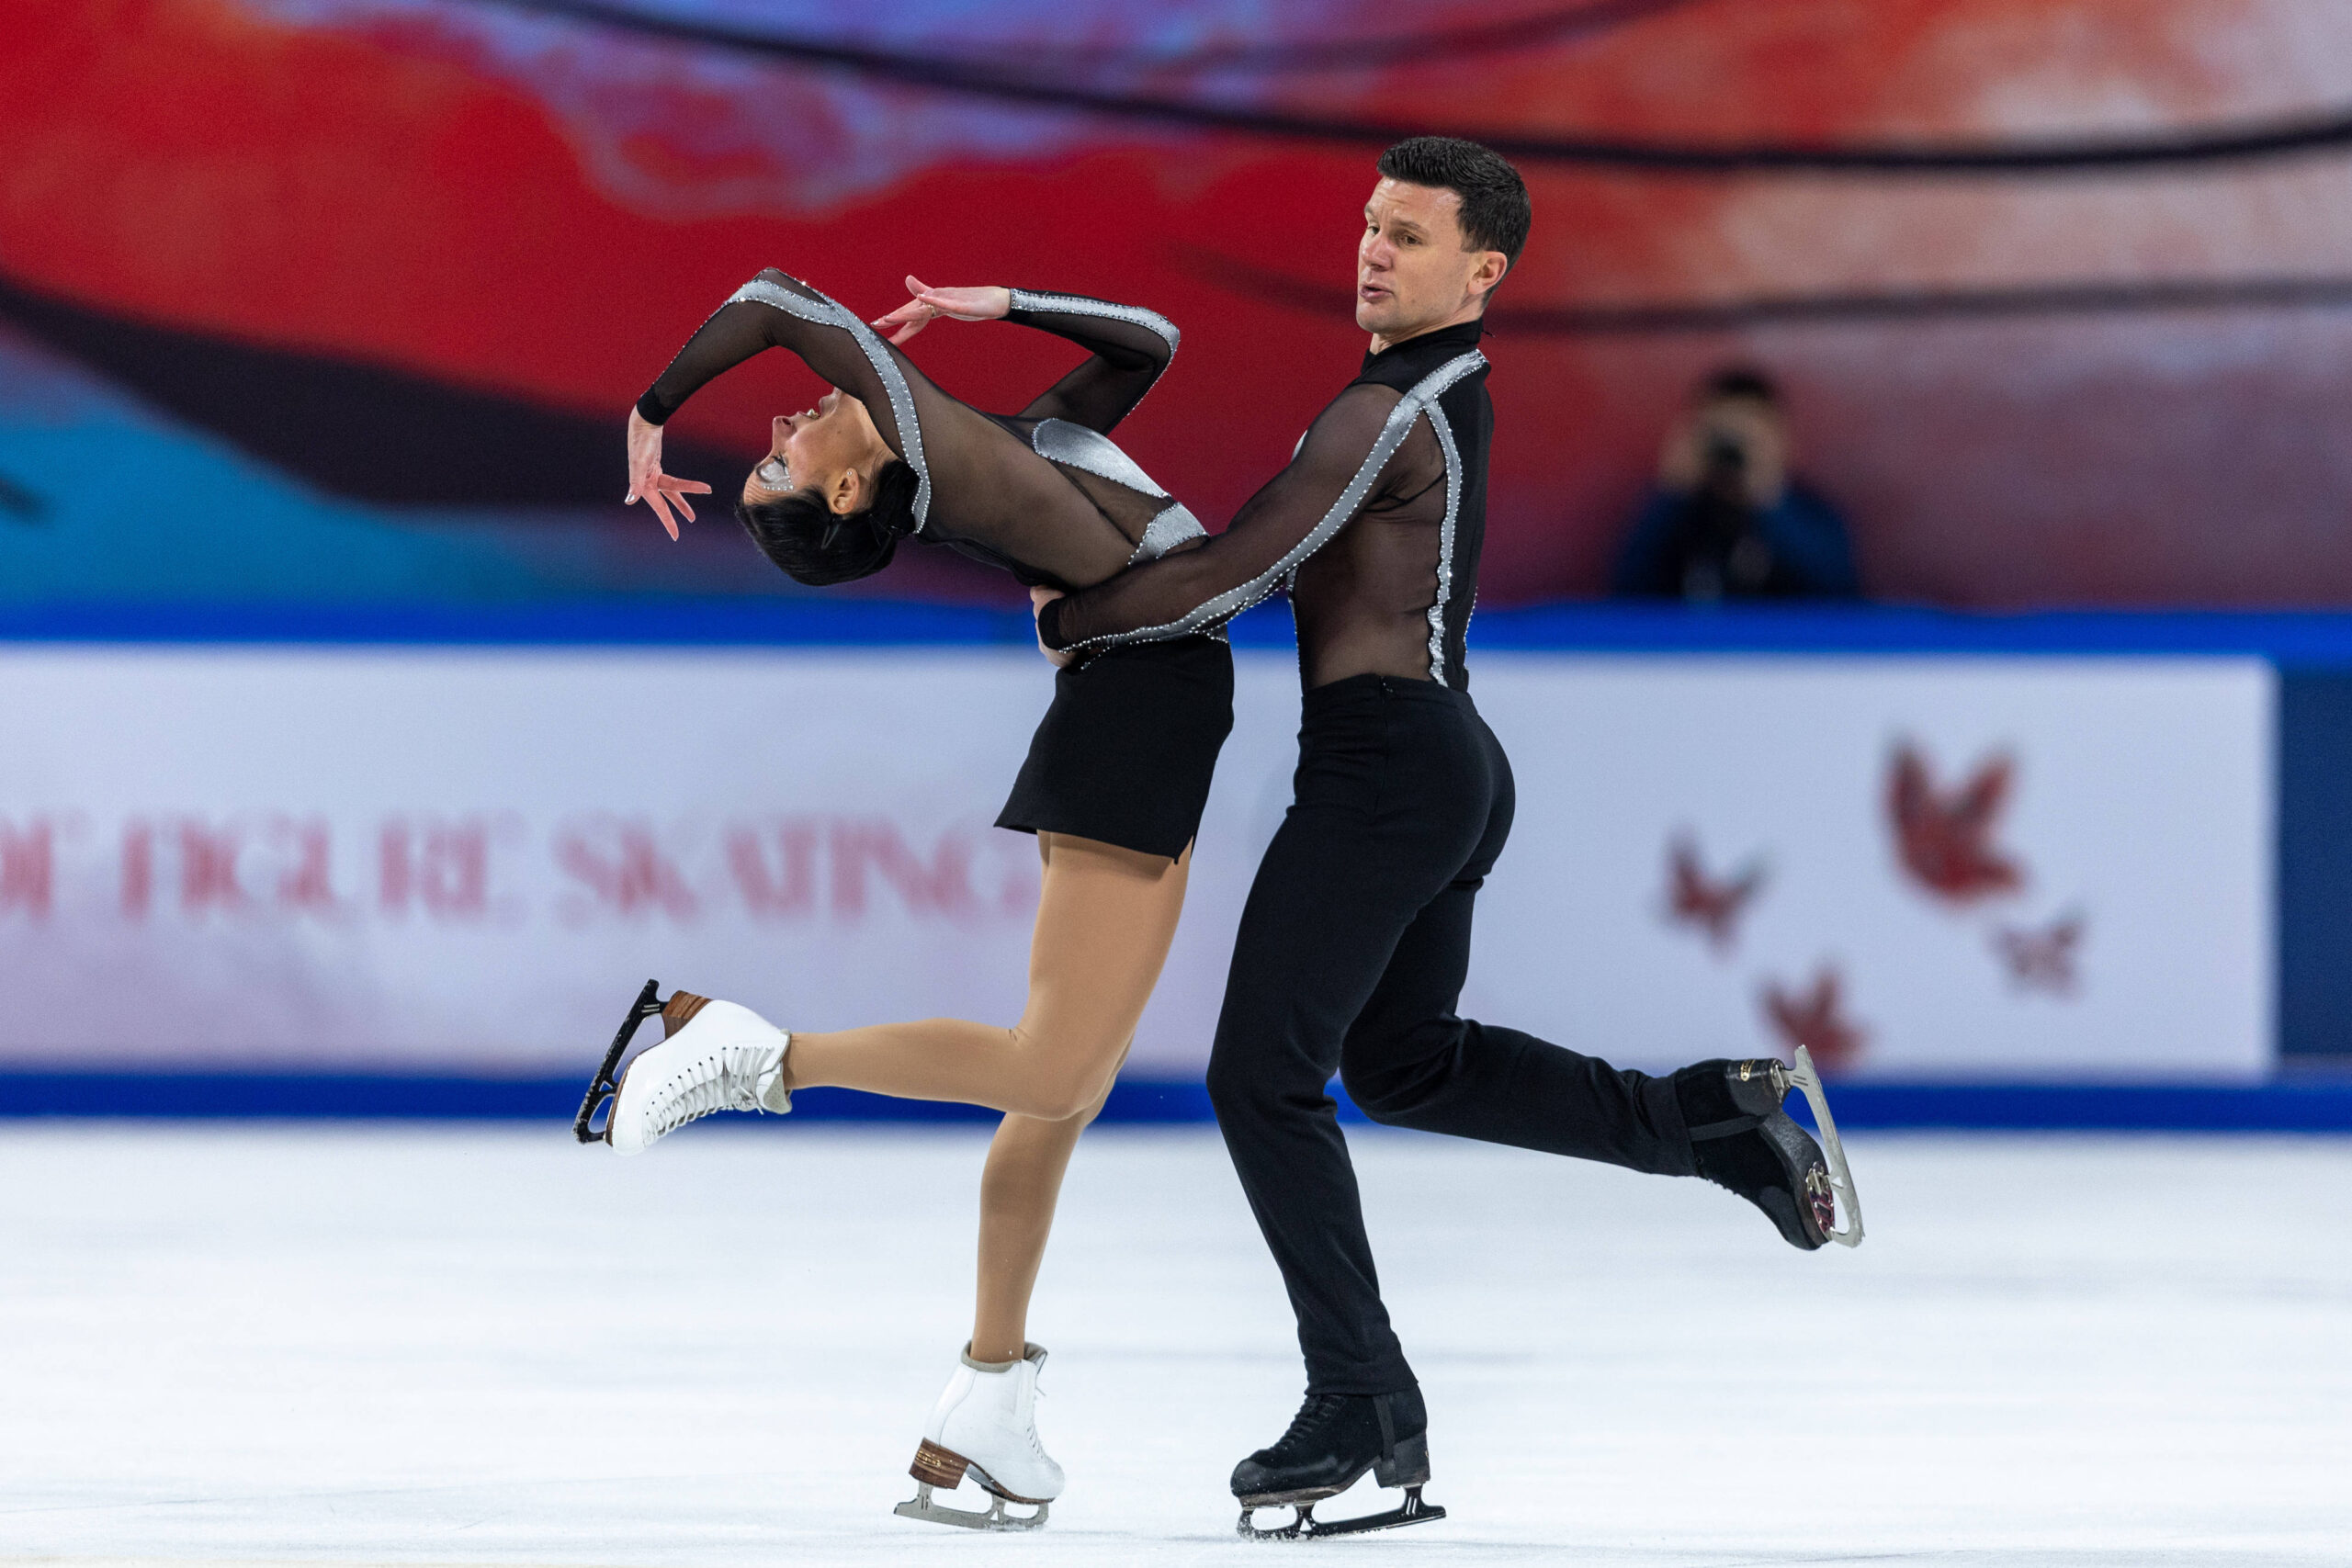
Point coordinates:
pixel 1306 1527
pixel 602 1087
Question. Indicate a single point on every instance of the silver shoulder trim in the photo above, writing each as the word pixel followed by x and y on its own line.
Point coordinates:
pixel 1076 305
pixel 1076 446
pixel 1233 601
pixel 825 312
pixel 1445 430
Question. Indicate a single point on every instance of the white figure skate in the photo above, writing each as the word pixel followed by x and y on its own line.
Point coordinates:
pixel 716 1057
pixel 985 1425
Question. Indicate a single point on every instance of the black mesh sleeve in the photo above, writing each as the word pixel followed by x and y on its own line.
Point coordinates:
pixel 1335 473
pixel 1130 347
pixel 777 310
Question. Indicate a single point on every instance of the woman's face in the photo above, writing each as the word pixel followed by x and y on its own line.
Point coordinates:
pixel 814 448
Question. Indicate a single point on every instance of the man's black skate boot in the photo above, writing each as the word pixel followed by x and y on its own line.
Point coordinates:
pixel 1332 1440
pixel 1745 1142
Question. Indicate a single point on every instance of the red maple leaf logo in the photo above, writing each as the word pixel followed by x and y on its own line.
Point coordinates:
pixel 1816 1019
pixel 1944 840
pixel 1692 898
pixel 2042 960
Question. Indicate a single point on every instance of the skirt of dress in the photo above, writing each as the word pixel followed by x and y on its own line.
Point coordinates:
pixel 1124 754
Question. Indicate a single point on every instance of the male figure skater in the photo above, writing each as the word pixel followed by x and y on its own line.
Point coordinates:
pixel 1356 936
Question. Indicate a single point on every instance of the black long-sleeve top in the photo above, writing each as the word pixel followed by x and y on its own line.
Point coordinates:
pixel 1376 526
pixel 1042 492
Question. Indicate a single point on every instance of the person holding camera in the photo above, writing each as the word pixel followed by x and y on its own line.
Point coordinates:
pixel 1725 519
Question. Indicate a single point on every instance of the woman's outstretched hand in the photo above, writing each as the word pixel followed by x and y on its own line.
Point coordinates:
pixel 957 304
pixel 648 483
pixel 1059 658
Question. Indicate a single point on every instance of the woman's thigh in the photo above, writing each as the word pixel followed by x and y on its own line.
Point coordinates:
pixel 1105 917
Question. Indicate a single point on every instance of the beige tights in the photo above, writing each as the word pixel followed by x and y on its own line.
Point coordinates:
pixel 1105 917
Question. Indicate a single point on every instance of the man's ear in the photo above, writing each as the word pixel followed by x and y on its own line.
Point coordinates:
pixel 1489 272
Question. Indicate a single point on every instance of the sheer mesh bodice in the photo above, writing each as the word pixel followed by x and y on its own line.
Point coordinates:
pixel 1375 527
pixel 1041 493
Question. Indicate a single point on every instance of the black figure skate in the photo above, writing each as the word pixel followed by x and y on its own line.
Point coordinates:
pixel 1331 1442
pixel 1746 1143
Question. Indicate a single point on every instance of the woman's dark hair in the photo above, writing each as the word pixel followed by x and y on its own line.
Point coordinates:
pixel 819 547
pixel 1496 213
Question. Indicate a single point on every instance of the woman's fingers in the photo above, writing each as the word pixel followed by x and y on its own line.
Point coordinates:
pixel 677 491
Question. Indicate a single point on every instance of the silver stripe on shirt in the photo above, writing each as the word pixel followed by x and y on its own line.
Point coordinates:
pixel 1444 429
pixel 825 311
pixel 1233 601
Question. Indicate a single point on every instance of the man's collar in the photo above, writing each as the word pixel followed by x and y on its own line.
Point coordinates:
pixel 1460 336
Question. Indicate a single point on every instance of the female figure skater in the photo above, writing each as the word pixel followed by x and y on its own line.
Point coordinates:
pixel 1112 786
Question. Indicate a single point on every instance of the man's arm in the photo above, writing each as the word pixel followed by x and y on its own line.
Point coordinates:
pixel 1337 470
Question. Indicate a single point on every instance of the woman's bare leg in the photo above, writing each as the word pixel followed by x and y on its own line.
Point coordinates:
pixel 1105 917
pixel 1018 1191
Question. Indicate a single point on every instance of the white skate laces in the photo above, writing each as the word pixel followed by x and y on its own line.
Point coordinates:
pixel 726 1057
pixel 985 1425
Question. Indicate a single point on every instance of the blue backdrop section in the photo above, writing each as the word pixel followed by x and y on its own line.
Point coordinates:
pixel 2314 865
pixel 2294 641
pixel 2317 1103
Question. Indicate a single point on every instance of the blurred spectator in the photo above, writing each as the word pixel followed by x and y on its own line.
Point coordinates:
pixel 1726 520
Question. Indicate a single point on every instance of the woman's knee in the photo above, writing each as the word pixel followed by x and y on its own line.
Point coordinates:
pixel 1061 1083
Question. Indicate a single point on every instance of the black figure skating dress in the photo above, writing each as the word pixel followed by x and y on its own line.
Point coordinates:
pixel 1125 751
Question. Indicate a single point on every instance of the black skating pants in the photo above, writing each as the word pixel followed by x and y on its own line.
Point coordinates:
pixel 1351 959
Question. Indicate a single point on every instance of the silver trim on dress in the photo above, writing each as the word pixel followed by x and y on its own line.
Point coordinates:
pixel 827 313
pixel 1091 451
pixel 1076 446
pixel 1166 530
pixel 1445 430
pixel 1079 305
pixel 1422 398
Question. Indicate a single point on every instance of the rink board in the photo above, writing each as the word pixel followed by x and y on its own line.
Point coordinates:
pixel 413 860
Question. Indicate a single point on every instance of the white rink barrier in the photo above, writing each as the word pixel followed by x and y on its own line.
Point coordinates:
pixel 469 859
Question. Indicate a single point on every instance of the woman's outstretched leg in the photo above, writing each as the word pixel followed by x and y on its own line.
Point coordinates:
pixel 1105 917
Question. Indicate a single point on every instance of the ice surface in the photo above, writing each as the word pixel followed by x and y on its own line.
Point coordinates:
pixel 434 1345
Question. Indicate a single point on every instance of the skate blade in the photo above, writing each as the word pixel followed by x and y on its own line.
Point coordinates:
pixel 1841 1181
pixel 604 1086
pixel 1306 1527
pixel 920 1506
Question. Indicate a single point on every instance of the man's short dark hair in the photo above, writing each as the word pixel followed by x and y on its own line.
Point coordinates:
pixel 1494 209
pixel 1741 381
pixel 819 546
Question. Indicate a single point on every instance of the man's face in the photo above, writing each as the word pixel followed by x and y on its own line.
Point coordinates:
pixel 1412 273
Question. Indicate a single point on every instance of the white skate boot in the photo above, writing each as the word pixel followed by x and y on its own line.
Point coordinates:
pixel 718 1057
pixel 986 1425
